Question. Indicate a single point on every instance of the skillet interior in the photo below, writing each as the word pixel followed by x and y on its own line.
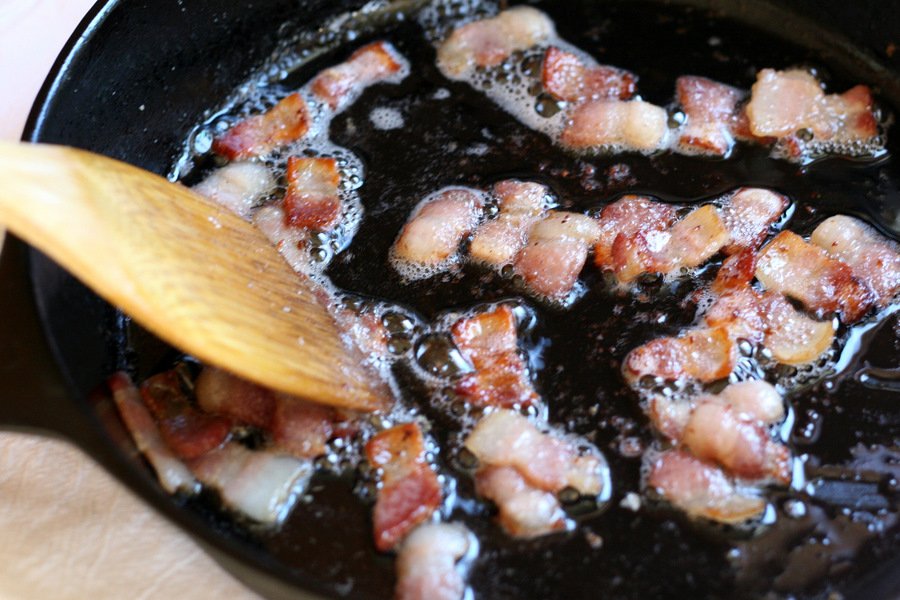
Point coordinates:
pixel 109 97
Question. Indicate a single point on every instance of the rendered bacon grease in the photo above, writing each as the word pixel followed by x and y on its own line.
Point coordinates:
pixel 771 306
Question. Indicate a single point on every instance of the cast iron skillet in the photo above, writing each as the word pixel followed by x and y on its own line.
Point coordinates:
pixel 133 80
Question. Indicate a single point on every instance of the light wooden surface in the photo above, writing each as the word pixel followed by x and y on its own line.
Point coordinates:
pixel 69 531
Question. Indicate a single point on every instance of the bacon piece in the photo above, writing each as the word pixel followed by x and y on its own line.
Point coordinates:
pixel 292 243
pixel 668 416
pixel 221 393
pixel 311 200
pixel 792 337
pixel 430 239
pixel 427 562
pixel 872 258
pixel 704 354
pixel 301 428
pixel 524 510
pixel 754 399
pixel 172 473
pixel 259 484
pixel 488 341
pixel 739 313
pixel 715 432
pixel 488 42
pixel 566 77
pixel 710 108
pixel 497 242
pixel 805 272
pixel 736 272
pixel 701 489
pixel 187 431
pixel 556 252
pixel 748 215
pixel 617 125
pixel 238 186
pixel 338 86
pixel 410 490
pixel 287 121
pixel 628 216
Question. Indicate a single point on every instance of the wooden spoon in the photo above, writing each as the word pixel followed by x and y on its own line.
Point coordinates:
pixel 193 273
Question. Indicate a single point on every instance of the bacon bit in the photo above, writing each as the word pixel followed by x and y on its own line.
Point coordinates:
pixel 792 337
pixel 339 85
pixel 710 108
pixel 805 272
pixel 701 489
pixel 292 243
pixel 748 214
pixel 668 416
pixel 754 399
pixel 616 124
pixel 187 431
pixel 497 242
pixel 430 239
pixel 286 122
pixel 410 490
pixel 524 510
pixel 739 313
pixel 237 186
pixel 736 272
pixel 566 77
pixel 872 258
pixel 426 562
pixel 716 433
pixel 705 354
pixel 173 474
pixel 488 42
pixel 311 200
pixel 221 393
pixel 301 428
pixel 628 216
pixel 490 344
pixel 556 252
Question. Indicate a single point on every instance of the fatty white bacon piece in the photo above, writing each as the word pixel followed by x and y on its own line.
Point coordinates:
pixel 748 215
pixel 701 489
pixel 523 510
pixel 312 200
pixel 710 109
pixel 739 313
pixel 488 42
pixel 616 125
pixel 291 242
pixel 340 85
pixel 805 272
pixel 288 121
pixel 521 204
pixel 792 337
pixel 427 560
pixel 565 76
pixel 430 239
pixel 873 259
pixel 410 491
pixel 555 253
pixel 238 186
pixel 628 216
pixel 703 354
pixel 488 341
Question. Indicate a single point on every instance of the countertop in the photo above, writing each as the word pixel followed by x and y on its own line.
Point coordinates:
pixel 70 531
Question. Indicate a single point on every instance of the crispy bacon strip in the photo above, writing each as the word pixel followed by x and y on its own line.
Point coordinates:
pixel 311 200
pixel 488 42
pixel 410 490
pixel 565 76
pixel 628 216
pixel 870 256
pixel 704 354
pixel 748 215
pixel 427 560
pixel 615 124
pixel 338 86
pixel 496 242
pixel 710 109
pixel 805 272
pixel 490 343
pixel 286 122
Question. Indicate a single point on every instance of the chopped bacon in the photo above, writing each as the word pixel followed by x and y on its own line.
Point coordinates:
pixel 668 416
pixel 628 216
pixel 739 313
pixel 430 239
pixel 339 85
pixel 616 124
pixel 754 399
pixel 704 354
pixel 749 214
pixel 172 473
pixel 870 256
pixel 311 200
pixel 221 393
pixel 488 42
pixel 710 108
pixel 701 489
pixel 736 272
pixel 792 337
pixel 497 242
pixel 805 272
pixel 490 344
pixel 302 428
pixel 427 562
pixel 566 77
pixel 524 510
pixel 410 490
pixel 556 252
pixel 286 122
pixel 238 186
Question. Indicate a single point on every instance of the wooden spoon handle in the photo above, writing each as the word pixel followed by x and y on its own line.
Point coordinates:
pixel 188 270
